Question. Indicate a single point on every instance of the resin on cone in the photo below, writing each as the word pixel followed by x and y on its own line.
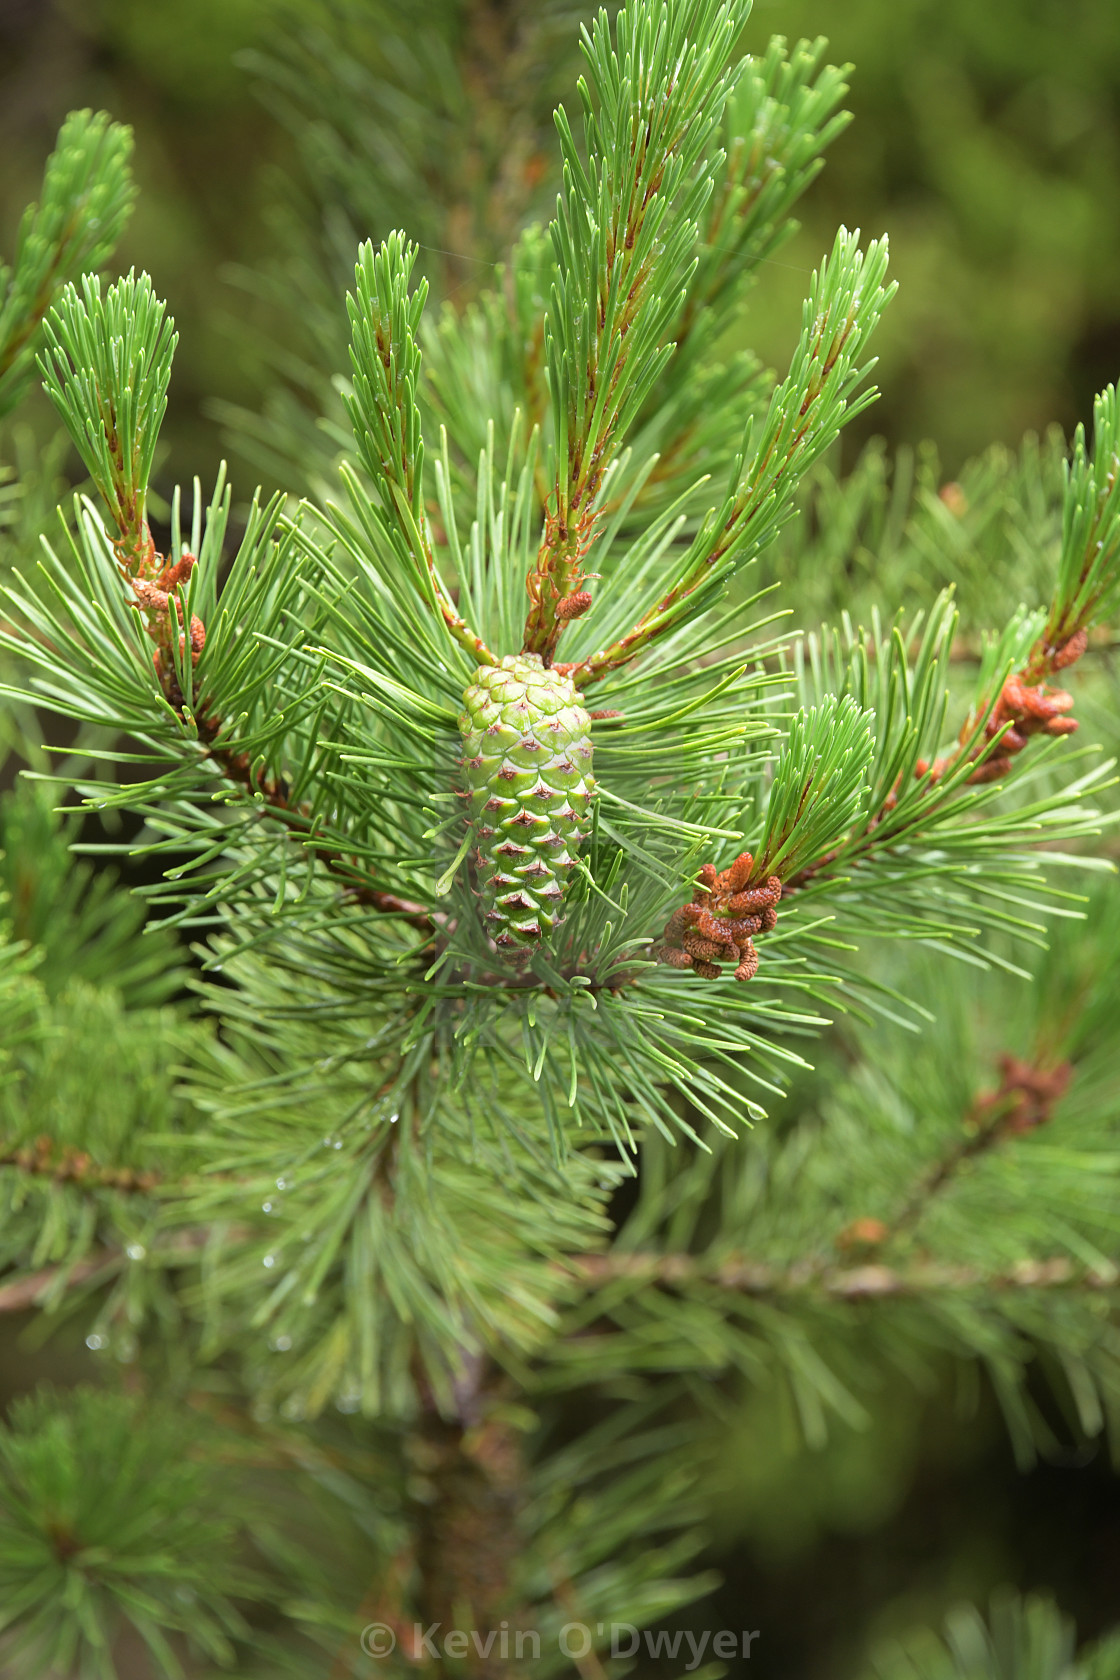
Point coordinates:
pixel 527 768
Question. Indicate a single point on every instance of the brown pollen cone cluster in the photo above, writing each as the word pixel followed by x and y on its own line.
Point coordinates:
pixel 718 925
pixel 1025 1098
pixel 153 599
pixel 1022 710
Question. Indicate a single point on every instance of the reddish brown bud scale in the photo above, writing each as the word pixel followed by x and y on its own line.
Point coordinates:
pixel 718 924
pixel 176 572
pixel 740 872
pixel 706 950
pixel 573 606
pixel 991 771
pixel 1070 651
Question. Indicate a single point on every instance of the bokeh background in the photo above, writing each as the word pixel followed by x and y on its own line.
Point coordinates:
pixel 986 141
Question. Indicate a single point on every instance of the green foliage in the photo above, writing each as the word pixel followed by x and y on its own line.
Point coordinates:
pixel 1021 1637
pixel 782 114
pixel 818 789
pixel 80 924
pixel 1089 573
pixel 899 1216
pixel 987 142
pixel 627 221
pixel 104 1510
pixel 93 1126
pixel 107 367
pixel 384 321
pixel 892 529
pixel 377 1174
pixel 86 201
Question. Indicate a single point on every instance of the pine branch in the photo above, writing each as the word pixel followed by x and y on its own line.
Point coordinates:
pixel 624 237
pixel 238 768
pixel 106 1509
pixel 1023 1101
pixel 384 321
pixel 107 366
pixel 738 1275
pixel 25 1293
pixel 780 118
pixel 805 415
pixel 819 786
pixel 1088 584
pixel 817 794
pixel 67 1164
pixel 1020 1636
pixel 86 201
pixel 931 811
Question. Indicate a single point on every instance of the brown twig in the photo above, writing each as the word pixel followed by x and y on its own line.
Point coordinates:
pixel 237 767
pixel 26 1292
pixel 740 1276
pixel 1023 1101
pixel 66 1164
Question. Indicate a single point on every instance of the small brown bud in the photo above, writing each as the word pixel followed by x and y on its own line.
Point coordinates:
pixel 863 1233
pixel 1070 650
pixel 705 950
pixel 573 606
pixel 174 574
pixel 740 872
pixel 991 770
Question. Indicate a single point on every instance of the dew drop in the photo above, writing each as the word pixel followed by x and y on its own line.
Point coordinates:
pixel 136 1251
pixel 269 1260
pixel 95 1342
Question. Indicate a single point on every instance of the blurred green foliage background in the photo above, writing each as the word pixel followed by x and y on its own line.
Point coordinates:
pixel 986 141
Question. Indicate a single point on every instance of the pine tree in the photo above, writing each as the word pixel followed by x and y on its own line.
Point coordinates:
pixel 597 975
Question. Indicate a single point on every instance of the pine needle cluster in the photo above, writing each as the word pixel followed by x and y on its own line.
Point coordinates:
pixel 486 1165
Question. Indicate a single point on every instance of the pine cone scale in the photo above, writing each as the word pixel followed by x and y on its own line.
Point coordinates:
pixel 527 765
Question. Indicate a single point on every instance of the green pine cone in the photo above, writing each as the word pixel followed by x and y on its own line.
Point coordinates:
pixel 527 766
